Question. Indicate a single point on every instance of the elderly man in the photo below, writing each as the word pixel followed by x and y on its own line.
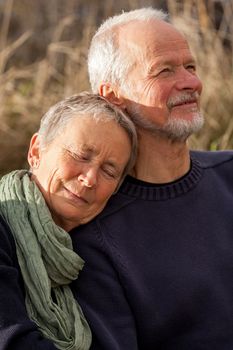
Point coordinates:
pixel 159 258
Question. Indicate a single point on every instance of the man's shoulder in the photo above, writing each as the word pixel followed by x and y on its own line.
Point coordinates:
pixel 208 159
pixel 113 211
pixel 115 204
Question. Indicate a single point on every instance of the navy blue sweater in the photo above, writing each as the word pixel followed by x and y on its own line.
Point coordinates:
pixel 158 272
pixel 17 331
pixel 159 262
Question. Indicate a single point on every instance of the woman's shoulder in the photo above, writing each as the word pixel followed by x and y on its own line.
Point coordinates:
pixel 5 230
pixel 3 225
pixel 7 243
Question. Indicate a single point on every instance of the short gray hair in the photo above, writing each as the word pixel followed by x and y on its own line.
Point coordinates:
pixel 86 105
pixel 106 62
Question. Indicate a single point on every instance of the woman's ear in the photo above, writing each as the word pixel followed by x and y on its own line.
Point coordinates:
pixel 34 152
pixel 112 95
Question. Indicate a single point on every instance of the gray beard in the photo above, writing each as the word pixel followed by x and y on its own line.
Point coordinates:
pixel 173 129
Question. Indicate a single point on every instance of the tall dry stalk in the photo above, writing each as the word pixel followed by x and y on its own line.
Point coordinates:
pixel 30 83
pixel 212 47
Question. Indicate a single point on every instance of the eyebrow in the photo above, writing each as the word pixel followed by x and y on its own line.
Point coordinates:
pixel 83 148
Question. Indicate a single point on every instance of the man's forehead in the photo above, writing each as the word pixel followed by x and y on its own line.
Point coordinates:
pixel 150 35
pixel 176 47
pixel 155 26
pixel 155 38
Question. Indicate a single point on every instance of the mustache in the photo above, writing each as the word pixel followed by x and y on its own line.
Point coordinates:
pixel 186 97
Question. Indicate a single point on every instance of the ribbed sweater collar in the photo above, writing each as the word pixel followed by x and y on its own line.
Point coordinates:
pixel 148 191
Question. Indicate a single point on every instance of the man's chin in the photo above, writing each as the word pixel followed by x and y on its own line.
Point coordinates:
pixel 181 129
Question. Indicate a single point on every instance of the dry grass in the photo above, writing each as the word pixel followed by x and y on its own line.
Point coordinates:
pixel 42 63
pixel 210 36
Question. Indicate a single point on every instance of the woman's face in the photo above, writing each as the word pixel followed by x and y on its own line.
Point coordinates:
pixel 80 169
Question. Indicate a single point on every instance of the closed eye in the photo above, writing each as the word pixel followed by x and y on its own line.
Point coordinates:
pixel 110 172
pixel 191 68
pixel 164 72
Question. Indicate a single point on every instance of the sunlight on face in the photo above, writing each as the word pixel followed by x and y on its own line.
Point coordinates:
pixel 81 168
pixel 164 89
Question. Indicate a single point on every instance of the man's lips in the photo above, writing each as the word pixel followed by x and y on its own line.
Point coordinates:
pixel 184 100
pixel 183 103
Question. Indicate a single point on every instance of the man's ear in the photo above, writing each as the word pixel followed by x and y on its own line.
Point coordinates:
pixel 112 95
pixel 34 152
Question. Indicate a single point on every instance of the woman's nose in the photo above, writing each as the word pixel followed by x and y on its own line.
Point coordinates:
pixel 88 178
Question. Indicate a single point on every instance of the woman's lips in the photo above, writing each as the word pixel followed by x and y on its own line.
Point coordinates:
pixel 76 197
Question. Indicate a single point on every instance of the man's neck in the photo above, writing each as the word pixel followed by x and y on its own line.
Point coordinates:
pixel 161 160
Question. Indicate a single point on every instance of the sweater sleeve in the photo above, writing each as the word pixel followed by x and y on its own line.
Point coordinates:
pixel 101 295
pixel 17 331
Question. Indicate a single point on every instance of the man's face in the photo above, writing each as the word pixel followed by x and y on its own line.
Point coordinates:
pixel 80 169
pixel 164 90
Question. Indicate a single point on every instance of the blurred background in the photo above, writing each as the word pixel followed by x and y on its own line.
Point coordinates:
pixel 43 51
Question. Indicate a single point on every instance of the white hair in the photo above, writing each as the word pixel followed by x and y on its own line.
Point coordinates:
pixel 106 62
pixel 86 105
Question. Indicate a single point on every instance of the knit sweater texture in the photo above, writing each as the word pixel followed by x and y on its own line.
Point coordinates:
pixel 158 269
pixel 17 331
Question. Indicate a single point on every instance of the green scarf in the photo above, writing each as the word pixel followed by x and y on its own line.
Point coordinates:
pixel 47 262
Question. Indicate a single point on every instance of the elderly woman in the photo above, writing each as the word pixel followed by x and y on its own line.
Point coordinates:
pixel 78 158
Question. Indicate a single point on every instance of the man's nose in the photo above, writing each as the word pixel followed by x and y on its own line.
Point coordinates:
pixel 188 81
